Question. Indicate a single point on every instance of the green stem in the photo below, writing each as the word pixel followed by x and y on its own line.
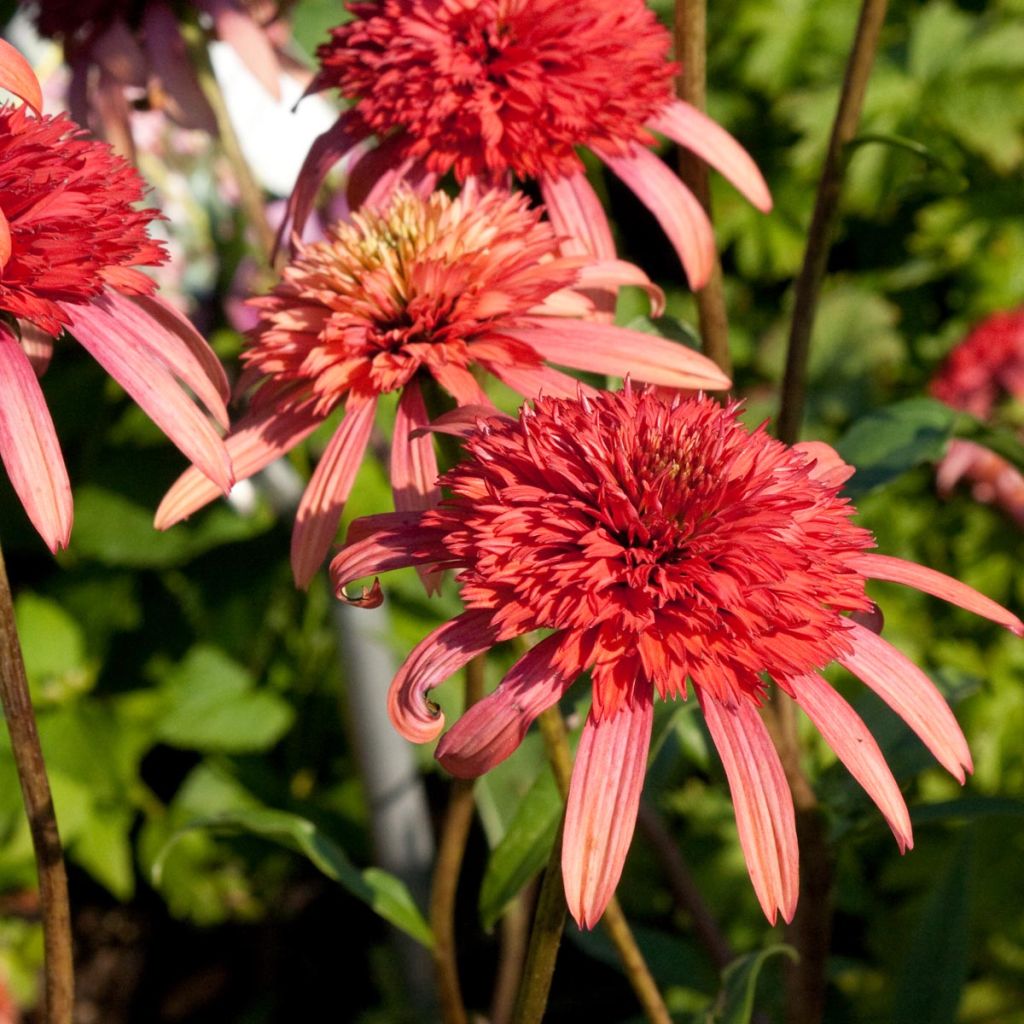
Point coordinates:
pixel 59 978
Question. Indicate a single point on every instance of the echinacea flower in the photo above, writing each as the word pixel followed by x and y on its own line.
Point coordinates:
pixel 490 89
pixel 670 550
pixel 71 239
pixel 424 290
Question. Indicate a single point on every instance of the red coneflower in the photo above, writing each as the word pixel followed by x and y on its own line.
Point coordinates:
pixel 70 240
pixel 425 289
pixel 668 548
pixel 493 88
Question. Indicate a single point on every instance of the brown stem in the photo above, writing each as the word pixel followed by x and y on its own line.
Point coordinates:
pixel 515 938
pixel 691 51
pixel 826 208
pixel 35 790
pixel 451 848
pixel 685 890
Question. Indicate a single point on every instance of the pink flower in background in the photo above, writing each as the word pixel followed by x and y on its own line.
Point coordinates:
pixel 71 238
pixel 668 548
pixel 494 89
pixel 424 290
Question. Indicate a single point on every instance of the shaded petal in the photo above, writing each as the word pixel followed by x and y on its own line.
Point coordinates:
pixel 848 736
pixel 896 570
pixel 316 521
pixel 533 381
pixel 464 420
pixel 37 345
pixel 117 52
pixel 379 543
pixel 676 208
pixel 236 28
pixel 29 447
pixel 460 384
pixel 494 727
pixel 17 76
pixel 413 462
pixel 605 348
pixel 119 348
pixel 912 695
pixel 258 439
pixel 604 796
pixel 614 274
pixel 693 129
pixel 578 216
pixel 378 171
pixel 763 803
pixel 431 662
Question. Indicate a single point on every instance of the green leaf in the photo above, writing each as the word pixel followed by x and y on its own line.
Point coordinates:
pixel 385 894
pixel 735 1002
pixel 523 850
pixel 54 648
pixel 886 443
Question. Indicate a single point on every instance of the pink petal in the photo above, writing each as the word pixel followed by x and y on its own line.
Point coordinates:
pixel 533 381
pixel 828 464
pixel 764 805
pixel 460 384
pixel 680 215
pixel 234 26
pixel 614 274
pixel 316 521
pixel 37 345
pixel 495 726
pixel 464 420
pixel 17 76
pixel 912 695
pixel 29 447
pixel 712 143
pixel 431 662
pixel 413 462
pixel 605 348
pixel 896 570
pixel 848 736
pixel 604 796
pixel 117 345
pixel 379 543
pixel 578 216
pixel 257 440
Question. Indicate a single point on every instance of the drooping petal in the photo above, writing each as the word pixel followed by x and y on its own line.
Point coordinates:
pixel 257 440
pixel 495 726
pixel 676 208
pixel 17 76
pixel 604 796
pixel 316 521
pixel 117 346
pixel 413 461
pixel 615 274
pixel 431 662
pixel 376 174
pixel 693 129
pixel 578 216
pixel 464 420
pixel 896 570
pixel 37 345
pixel 531 381
pixel 236 28
pixel 848 736
pixel 763 803
pixel 912 695
pixel 605 348
pixel 460 384
pixel 29 447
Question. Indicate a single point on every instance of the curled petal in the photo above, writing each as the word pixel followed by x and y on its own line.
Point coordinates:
pixel 848 736
pixel 17 76
pixel 29 447
pixel 912 695
pixel 614 274
pixel 431 662
pixel 495 726
pixel 764 805
pixel 896 570
pixel 463 420
pixel 316 521
pixel 828 466
pixel 693 129
pixel 604 796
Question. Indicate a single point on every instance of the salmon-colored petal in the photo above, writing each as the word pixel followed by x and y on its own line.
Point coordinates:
pixel 413 461
pixel 763 803
pixel 604 796
pixel 119 348
pixel 676 208
pixel 29 447
pixel 848 736
pixel 693 129
pixel 17 76
pixel 460 384
pixel 235 27
pixel 912 695
pixel 605 348
pixel 828 466
pixel 616 273
pixel 464 420
pixel 896 570
pixel 431 662
pixel 578 216
pixel 316 521
pixel 532 381
pixel 495 726
pixel 257 440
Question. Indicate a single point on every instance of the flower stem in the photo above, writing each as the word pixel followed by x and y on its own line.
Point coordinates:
pixel 42 821
pixel 515 938
pixel 691 51
pixel 450 851
pixel 823 221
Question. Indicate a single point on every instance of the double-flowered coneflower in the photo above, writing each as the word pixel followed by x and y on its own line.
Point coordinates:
pixel 71 240
pixel 672 552
pixel 426 289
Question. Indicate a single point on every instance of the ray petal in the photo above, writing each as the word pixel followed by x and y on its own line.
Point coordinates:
pixel 17 76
